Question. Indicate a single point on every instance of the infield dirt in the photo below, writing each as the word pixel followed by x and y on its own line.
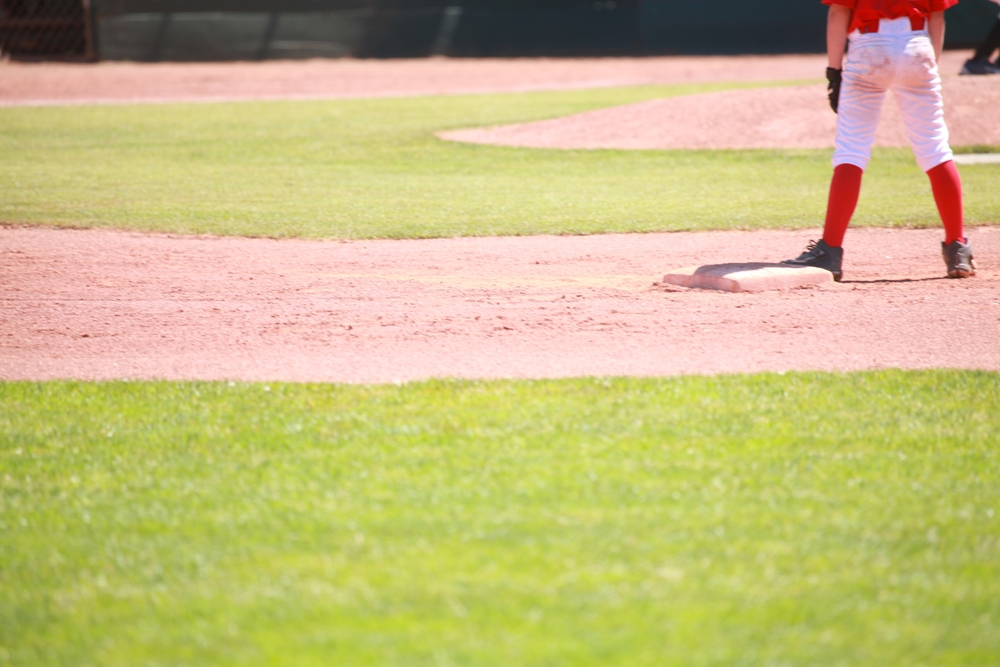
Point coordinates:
pixel 103 304
pixel 775 118
pixel 115 82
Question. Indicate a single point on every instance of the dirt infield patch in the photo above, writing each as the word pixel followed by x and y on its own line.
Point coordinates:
pixel 56 83
pixel 116 82
pixel 794 117
pixel 101 304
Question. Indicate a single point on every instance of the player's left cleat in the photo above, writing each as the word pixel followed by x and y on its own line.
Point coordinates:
pixel 822 256
pixel 958 259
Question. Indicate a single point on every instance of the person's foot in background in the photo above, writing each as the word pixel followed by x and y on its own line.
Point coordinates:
pixel 979 67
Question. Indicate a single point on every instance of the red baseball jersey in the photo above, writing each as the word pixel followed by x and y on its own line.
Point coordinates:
pixel 870 11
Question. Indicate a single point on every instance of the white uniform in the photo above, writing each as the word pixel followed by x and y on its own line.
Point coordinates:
pixel 899 59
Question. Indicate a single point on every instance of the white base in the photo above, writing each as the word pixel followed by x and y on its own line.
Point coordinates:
pixel 749 277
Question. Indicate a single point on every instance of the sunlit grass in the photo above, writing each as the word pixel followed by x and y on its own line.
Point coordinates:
pixel 802 519
pixel 373 168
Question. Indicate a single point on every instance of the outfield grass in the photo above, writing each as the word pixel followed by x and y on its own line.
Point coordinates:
pixel 372 168
pixel 800 519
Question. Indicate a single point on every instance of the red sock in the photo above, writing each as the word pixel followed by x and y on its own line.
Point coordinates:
pixel 844 191
pixel 947 187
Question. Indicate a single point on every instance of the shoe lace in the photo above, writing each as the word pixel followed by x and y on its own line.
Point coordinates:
pixel 811 249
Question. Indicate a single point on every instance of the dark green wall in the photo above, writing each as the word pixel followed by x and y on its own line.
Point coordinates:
pixel 256 29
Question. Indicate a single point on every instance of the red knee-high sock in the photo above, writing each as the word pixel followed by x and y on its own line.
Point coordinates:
pixel 844 191
pixel 947 187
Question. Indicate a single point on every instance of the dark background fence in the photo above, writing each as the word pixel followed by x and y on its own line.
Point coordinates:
pixel 198 30
pixel 46 29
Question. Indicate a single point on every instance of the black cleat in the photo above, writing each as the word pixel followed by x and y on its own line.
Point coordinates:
pixel 822 256
pixel 958 259
pixel 979 67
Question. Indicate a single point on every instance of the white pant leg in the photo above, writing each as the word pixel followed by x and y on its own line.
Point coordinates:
pixel 867 74
pixel 918 94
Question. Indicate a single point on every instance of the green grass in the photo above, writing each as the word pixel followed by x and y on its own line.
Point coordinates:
pixel 372 168
pixel 976 148
pixel 800 519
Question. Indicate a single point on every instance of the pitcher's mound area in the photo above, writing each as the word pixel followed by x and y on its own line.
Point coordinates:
pixel 772 118
pixel 102 304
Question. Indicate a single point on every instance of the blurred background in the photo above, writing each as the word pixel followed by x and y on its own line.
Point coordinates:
pixel 207 30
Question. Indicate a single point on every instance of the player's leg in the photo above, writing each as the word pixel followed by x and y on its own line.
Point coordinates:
pixel 861 97
pixel 861 100
pixel 946 185
pixel 918 95
pixel 990 44
pixel 923 116
pixel 956 249
pixel 845 188
pixel 828 253
pixel 980 61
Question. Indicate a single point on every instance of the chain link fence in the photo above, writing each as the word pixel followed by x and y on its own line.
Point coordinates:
pixel 46 30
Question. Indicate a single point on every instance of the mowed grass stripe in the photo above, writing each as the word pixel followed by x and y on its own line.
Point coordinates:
pixel 813 519
pixel 373 169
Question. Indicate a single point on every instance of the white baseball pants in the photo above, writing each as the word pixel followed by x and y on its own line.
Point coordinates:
pixel 899 59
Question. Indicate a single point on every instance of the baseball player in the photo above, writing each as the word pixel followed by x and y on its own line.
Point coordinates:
pixel 894 45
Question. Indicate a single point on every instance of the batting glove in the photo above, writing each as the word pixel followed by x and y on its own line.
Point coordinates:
pixel 834 76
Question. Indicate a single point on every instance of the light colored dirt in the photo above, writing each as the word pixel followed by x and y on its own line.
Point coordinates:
pixel 62 83
pixel 57 83
pixel 100 304
pixel 794 117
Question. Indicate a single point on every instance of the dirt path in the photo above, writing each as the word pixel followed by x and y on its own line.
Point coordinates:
pixel 55 83
pixel 60 83
pixel 100 304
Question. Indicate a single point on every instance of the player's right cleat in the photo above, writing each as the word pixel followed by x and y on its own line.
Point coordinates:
pixel 822 256
pixel 976 67
pixel 958 259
